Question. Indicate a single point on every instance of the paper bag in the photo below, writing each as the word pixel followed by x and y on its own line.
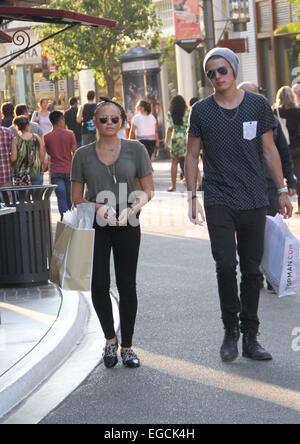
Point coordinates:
pixel 72 258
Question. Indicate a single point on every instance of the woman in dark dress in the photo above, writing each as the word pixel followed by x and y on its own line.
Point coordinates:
pixel 286 107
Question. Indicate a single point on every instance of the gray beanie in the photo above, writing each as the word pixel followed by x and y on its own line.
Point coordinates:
pixel 226 54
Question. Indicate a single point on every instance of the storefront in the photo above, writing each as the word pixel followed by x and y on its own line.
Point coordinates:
pixel 26 78
pixel 278 55
pixel 17 77
pixel 22 71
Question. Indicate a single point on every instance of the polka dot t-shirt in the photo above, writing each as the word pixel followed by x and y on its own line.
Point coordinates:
pixel 234 173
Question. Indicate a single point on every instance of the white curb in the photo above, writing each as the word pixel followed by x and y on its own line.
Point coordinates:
pixel 23 378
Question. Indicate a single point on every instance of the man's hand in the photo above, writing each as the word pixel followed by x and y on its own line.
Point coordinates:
pixel 285 206
pixel 196 212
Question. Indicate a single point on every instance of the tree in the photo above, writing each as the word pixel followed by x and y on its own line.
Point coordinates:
pixel 99 48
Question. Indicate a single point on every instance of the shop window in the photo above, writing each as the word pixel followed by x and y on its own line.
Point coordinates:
pixel 264 12
pixel 283 13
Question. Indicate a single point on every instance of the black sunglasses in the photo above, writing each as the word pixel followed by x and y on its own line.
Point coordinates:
pixel 113 119
pixel 212 73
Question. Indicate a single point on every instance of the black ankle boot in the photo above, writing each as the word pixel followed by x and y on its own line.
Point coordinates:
pixel 253 350
pixel 229 350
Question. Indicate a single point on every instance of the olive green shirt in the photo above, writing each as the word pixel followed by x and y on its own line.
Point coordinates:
pixel 132 164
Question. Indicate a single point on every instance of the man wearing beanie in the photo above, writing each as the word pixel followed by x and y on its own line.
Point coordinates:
pixel 234 130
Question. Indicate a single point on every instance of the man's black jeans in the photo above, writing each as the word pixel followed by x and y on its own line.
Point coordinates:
pixel 241 231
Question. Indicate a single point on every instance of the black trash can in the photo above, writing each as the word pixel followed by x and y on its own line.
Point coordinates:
pixel 25 236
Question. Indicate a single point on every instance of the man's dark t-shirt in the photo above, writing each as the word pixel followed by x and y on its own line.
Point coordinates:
pixel 234 173
pixel 70 119
pixel 88 115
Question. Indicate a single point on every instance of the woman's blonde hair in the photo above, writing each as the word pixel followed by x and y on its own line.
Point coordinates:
pixel 285 98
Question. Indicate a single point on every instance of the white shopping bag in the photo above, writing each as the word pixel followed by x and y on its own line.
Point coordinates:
pixel 280 261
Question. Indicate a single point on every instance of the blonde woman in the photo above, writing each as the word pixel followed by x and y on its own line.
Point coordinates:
pixel 114 170
pixel 41 116
pixel 286 107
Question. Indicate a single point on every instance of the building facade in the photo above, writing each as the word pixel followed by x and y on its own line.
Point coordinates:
pixel 278 54
pixel 26 78
pixel 268 59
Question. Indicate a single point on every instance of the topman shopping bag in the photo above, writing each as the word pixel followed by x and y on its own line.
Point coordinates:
pixel 280 261
pixel 72 257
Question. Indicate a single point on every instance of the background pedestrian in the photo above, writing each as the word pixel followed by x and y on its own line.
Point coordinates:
pixel 176 135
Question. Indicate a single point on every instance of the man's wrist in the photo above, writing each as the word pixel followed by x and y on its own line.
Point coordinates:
pixel 282 190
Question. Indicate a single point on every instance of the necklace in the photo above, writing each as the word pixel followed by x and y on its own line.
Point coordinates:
pixel 225 116
pixel 113 172
pixel 228 109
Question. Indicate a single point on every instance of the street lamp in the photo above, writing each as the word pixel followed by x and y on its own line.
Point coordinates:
pixel 239 14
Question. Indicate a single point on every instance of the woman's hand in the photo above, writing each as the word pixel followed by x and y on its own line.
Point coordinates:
pixel 103 215
pixel 123 217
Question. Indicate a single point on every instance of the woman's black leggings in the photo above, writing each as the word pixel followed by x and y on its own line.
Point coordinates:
pixel 125 243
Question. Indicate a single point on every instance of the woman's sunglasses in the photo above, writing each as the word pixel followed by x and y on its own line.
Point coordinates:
pixel 113 119
pixel 212 73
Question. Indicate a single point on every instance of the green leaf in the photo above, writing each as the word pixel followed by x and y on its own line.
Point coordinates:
pixel 289 28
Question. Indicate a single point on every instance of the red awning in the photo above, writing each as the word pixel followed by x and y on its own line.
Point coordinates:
pixel 5 38
pixel 54 16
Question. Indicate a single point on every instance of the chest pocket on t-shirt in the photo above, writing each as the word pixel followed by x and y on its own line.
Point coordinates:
pixel 250 130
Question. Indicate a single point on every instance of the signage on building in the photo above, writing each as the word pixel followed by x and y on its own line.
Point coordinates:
pixel 31 57
pixel 187 24
pixel 236 45
pixel 44 86
pixel 62 86
pixel 140 65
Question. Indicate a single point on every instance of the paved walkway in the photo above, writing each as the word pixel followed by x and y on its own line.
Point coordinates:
pixel 40 322
pixel 27 314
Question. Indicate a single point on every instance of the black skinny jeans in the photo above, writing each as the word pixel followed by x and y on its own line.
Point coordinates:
pixel 125 243
pixel 241 231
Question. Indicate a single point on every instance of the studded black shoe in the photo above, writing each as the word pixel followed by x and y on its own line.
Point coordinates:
pixel 129 358
pixel 109 356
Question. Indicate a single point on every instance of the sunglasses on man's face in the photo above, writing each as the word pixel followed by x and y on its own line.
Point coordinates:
pixel 212 73
pixel 105 119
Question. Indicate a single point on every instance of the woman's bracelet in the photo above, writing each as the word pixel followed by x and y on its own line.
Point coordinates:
pixel 193 197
